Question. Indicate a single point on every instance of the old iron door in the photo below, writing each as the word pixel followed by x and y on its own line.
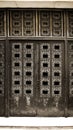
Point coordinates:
pixel 37 67
pixel 23 78
pixel 36 62
pixel 50 91
pixel 37 71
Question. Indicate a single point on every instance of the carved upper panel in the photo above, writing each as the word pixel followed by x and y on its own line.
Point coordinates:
pixel 34 22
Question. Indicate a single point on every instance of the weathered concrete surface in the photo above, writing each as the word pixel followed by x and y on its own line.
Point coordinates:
pixel 36 3
pixel 36 128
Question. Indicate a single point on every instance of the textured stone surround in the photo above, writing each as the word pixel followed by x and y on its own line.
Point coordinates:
pixel 36 3
pixel 35 128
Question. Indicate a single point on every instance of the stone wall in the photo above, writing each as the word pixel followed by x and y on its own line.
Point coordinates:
pixel 36 3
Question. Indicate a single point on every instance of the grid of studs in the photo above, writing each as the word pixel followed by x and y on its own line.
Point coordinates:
pixel 56 69
pixel 70 53
pixel 16 23
pixel 57 22
pixel 2 26
pixel 16 69
pixel 1 68
pixel 70 23
pixel 28 23
pixel 44 23
pixel 44 69
pixel 28 69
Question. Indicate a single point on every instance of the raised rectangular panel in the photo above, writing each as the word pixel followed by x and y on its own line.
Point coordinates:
pixel 16 32
pixel 70 24
pixel 16 92
pixel 44 70
pixel 28 58
pixel 28 91
pixel 16 47
pixel 56 47
pixel 57 23
pixel 28 82
pixel 16 64
pixel 70 76
pixel 56 83
pixel 45 65
pixel 56 73
pixel 16 23
pixel 22 89
pixel 45 92
pixel 50 78
pixel 44 22
pixel 28 32
pixel 44 56
pixel 29 23
pixel 44 31
pixel 15 28
pixel 56 56
pixel 16 57
pixel 57 67
pixel 2 23
pixel 28 64
pixel 44 14
pixel 56 92
pixel 16 73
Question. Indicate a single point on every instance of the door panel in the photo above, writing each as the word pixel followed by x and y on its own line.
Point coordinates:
pixel 37 78
pixel 51 84
pixel 57 55
pixel 36 62
pixel 22 23
pixel 70 78
pixel 44 71
pixel 22 85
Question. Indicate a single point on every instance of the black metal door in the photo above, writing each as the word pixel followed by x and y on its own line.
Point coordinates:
pixel 37 78
pixel 23 82
pixel 36 62
pixel 51 96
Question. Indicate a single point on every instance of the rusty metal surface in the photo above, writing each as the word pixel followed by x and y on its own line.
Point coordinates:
pixel 36 62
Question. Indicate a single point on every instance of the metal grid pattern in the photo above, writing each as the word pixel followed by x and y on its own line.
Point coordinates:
pixel 16 23
pixel 16 69
pixel 22 23
pixel 44 23
pixel 22 66
pixel 57 23
pixel 51 23
pixel 28 23
pixel 28 62
pixel 70 23
pixel 36 62
pixel 44 69
pixel 57 69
